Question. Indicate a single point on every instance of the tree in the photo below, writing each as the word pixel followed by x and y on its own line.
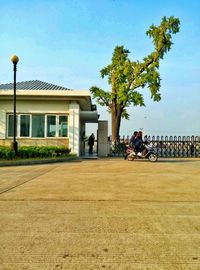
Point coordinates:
pixel 126 77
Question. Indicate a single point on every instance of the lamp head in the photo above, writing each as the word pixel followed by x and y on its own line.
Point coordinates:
pixel 14 59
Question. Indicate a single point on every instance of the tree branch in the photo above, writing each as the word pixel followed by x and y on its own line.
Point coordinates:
pixel 102 97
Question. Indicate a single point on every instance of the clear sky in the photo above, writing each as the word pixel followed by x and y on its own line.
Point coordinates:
pixel 67 42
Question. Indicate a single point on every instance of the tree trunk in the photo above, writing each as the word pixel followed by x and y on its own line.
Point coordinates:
pixel 116 112
pixel 116 121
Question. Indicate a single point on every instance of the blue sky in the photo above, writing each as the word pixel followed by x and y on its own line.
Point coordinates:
pixel 67 42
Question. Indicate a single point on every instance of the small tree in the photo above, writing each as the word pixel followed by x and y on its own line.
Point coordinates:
pixel 126 76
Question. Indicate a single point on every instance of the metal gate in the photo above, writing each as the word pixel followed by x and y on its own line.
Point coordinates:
pixel 166 146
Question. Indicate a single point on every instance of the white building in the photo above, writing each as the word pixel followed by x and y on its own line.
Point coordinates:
pixel 47 114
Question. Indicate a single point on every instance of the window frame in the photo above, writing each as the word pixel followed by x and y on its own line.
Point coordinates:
pixel 38 114
pixel 67 121
pixel 19 125
pixel 46 124
pixel 18 131
pixel 7 125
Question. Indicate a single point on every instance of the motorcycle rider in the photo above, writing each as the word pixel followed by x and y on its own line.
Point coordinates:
pixel 133 139
pixel 136 142
pixel 132 142
pixel 140 149
pixel 139 144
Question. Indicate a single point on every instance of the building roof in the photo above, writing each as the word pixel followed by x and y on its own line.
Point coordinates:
pixel 38 90
pixel 32 85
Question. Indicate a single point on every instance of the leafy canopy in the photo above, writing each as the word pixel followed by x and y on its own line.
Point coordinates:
pixel 126 76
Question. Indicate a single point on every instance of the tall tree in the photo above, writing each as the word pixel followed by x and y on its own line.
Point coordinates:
pixel 126 77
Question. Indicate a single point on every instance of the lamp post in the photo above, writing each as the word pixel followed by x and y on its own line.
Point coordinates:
pixel 15 60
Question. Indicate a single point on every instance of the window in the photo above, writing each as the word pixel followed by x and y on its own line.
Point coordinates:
pixel 51 125
pixel 63 131
pixel 37 126
pixel 24 125
pixel 11 125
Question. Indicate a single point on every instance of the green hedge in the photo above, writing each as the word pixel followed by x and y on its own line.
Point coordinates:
pixel 6 153
pixel 33 152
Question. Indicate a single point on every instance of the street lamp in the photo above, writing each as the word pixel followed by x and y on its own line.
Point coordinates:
pixel 15 60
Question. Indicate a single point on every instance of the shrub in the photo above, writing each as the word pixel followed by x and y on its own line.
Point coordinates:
pixel 26 152
pixel 6 153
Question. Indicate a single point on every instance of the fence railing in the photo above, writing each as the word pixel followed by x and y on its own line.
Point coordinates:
pixel 166 146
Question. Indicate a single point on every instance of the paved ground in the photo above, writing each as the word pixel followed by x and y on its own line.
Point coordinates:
pixel 101 214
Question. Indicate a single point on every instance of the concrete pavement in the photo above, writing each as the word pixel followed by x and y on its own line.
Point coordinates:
pixel 101 214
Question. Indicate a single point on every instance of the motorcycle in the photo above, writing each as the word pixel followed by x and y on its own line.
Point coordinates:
pixel 148 153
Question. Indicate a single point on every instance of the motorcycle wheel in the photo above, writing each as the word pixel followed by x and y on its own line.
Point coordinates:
pixel 153 157
pixel 130 158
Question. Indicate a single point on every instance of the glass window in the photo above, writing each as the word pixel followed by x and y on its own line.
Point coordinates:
pixel 37 126
pixel 24 125
pixel 63 126
pixel 11 125
pixel 51 125
pixel 55 125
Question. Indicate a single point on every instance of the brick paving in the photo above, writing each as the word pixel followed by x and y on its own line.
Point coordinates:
pixel 101 214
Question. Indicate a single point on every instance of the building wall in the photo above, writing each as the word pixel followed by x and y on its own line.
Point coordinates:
pixel 37 142
pixel 35 106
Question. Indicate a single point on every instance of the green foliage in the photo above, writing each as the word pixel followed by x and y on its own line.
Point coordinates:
pixel 162 34
pixel 101 96
pixel 26 152
pixel 6 153
pixel 125 76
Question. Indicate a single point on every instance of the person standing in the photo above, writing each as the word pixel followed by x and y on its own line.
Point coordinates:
pixel 91 143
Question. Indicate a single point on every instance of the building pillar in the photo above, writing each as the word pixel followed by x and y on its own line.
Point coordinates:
pixel 74 128
pixel 3 125
pixel 82 138
pixel 103 147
